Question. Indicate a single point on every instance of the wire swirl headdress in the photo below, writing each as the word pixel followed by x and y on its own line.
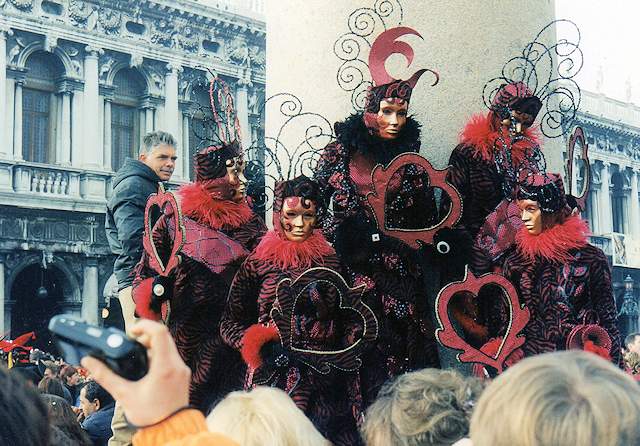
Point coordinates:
pixel 549 72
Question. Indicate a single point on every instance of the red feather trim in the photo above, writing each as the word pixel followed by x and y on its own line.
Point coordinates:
pixel 142 294
pixel 254 338
pixel 554 243
pixel 479 133
pixel 285 254
pixel 198 204
pixel 590 346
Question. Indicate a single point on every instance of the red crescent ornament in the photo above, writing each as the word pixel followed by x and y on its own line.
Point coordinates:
pixel 380 177
pixel 447 335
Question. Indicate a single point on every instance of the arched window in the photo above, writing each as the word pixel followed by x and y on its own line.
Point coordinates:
pixel 619 203
pixel 125 117
pixel 40 107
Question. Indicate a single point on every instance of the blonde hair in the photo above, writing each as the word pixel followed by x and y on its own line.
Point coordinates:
pixel 563 398
pixel 263 416
pixel 423 408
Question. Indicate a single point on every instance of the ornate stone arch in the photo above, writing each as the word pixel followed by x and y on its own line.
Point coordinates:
pixel 121 65
pixel 39 45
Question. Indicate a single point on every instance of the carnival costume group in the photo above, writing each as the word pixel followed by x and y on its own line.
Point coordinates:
pixel 226 299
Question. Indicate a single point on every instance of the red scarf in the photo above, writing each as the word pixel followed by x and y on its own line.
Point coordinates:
pixel 479 133
pixel 198 204
pixel 554 243
pixel 285 254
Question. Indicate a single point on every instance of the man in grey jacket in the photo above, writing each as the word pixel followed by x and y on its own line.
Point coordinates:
pixel 132 185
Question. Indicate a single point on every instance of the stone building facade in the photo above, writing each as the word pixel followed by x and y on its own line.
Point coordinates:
pixel 81 81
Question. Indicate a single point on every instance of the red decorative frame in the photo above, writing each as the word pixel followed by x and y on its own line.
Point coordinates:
pixel 161 199
pixel 449 337
pixel 289 291
pixel 380 177
pixel 578 136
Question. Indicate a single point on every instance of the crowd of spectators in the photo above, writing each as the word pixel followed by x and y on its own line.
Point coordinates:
pixel 563 398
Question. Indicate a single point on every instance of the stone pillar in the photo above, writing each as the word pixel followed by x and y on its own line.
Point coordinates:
pixel 171 113
pixel 606 213
pixel 77 118
pixel 242 108
pixel 148 124
pixel 65 131
pixel 17 119
pixel 466 42
pixel 107 133
pixel 90 292
pixel 2 295
pixel 5 147
pixel 635 207
pixel 94 158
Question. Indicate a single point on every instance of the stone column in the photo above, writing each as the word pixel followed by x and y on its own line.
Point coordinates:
pixel 635 207
pixel 2 295
pixel 90 292
pixel 77 118
pixel 5 146
pixel 148 125
pixel 93 152
pixel 242 108
pixel 17 119
pixel 171 113
pixel 606 213
pixel 65 130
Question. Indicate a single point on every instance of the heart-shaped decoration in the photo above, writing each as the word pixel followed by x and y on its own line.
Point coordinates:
pixel 518 319
pixel 164 232
pixel 288 294
pixel 381 177
pixel 578 137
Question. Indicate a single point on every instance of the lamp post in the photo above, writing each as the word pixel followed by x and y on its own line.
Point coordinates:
pixel 629 310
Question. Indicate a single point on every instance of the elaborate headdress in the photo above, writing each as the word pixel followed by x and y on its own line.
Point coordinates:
pixel 384 85
pixel 542 77
pixel 546 189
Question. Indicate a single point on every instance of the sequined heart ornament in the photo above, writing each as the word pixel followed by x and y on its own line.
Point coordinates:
pixel 383 179
pixel 448 336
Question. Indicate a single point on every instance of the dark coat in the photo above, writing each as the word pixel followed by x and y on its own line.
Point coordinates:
pixel 124 222
pixel 98 425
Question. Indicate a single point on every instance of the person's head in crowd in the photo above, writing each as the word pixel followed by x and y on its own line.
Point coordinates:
pixel 422 408
pixel 94 397
pixel 49 369
pixel 52 386
pixel 632 343
pixel 23 413
pixel 28 374
pixel 62 417
pixel 562 398
pixel 158 152
pixel 264 415
pixel 69 375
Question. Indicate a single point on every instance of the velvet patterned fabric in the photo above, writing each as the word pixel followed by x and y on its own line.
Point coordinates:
pixel 394 281
pixel 330 401
pixel 200 289
pixel 561 290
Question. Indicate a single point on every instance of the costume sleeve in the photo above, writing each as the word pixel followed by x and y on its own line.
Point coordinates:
pixel 411 202
pixel 241 310
pixel 458 177
pixel 328 177
pixel 604 304
pixel 186 428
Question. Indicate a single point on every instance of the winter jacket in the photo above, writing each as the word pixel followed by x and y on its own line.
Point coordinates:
pixel 98 425
pixel 124 224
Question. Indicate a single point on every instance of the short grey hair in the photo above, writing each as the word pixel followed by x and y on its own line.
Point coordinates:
pixel 153 139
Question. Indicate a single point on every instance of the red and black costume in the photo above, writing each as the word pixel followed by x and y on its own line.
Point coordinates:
pixel 564 281
pixel 388 267
pixel 331 400
pixel 219 235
